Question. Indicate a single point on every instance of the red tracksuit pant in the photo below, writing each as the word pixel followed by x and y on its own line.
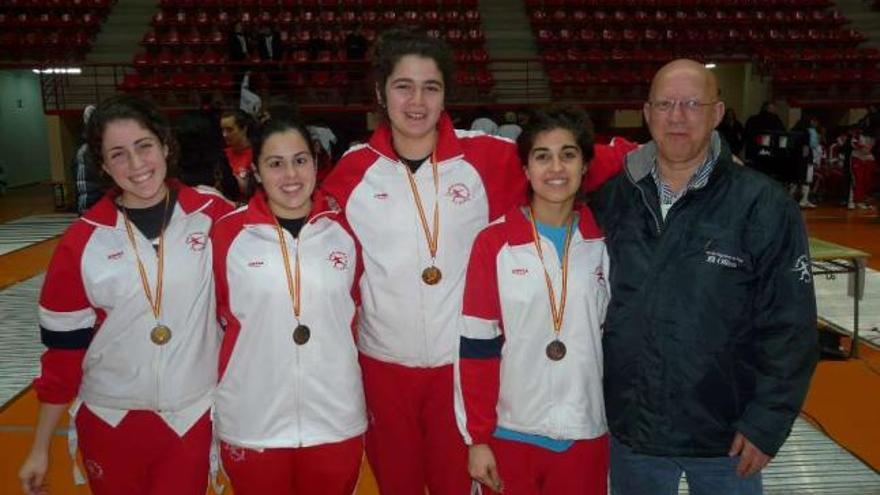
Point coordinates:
pixel 142 455
pixel 412 439
pixel 326 469
pixel 530 470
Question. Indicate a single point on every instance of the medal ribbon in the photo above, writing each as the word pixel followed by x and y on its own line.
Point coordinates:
pixel 560 313
pixel 293 288
pixel 155 303
pixel 431 237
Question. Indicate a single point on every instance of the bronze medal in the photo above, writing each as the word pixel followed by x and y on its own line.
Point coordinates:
pixel 555 350
pixel 431 275
pixel 160 335
pixel 301 334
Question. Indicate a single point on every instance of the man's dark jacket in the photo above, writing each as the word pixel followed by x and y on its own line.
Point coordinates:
pixel 712 324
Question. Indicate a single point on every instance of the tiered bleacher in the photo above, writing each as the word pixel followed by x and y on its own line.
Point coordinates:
pixel 612 47
pixel 186 46
pixel 49 31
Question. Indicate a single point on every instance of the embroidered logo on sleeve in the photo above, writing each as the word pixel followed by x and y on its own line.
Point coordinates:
pixel 459 193
pixel 802 268
pixel 338 260
pixel 722 259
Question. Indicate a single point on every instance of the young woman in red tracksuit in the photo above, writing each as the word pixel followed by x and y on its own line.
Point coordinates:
pixel 289 408
pixel 127 312
pixel 415 196
pixel 529 371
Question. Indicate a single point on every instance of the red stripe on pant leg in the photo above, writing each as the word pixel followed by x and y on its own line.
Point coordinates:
pixel 393 440
pixel 446 453
pixel 328 469
pixel 255 472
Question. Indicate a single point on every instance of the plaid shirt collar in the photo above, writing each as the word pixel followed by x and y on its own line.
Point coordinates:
pixel 697 181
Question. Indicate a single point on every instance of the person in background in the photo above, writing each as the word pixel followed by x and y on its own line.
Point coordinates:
pixel 289 407
pixel 710 337
pixel 484 122
pixel 732 131
pixel 202 160
pixel 128 287
pixel 535 298
pixel 88 183
pixel 356 44
pixel 236 126
pixel 509 129
pixel 239 50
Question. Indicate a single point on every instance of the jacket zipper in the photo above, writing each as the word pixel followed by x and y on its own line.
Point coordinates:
pixel 657 224
pixel 298 381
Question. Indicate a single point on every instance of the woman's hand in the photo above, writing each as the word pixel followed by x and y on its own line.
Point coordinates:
pixel 33 473
pixel 482 467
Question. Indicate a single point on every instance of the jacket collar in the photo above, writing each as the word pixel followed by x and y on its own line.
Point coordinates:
pixel 640 161
pixel 106 214
pixel 258 211
pixel 448 146
pixel 519 229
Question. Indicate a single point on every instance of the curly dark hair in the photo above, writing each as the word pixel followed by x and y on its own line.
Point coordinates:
pixel 128 107
pixel 570 118
pixel 398 42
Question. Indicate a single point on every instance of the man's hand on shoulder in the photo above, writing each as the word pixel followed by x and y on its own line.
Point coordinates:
pixel 751 459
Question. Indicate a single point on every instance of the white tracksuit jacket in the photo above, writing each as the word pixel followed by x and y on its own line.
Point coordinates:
pixel 274 393
pixel 502 375
pixel 96 320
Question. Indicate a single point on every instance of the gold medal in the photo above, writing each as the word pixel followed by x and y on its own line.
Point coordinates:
pixel 301 334
pixel 160 335
pixel 555 350
pixel 431 275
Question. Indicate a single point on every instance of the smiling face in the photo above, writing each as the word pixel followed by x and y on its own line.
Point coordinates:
pixel 287 171
pixel 413 97
pixel 683 133
pixel 555 168
pixel 136 160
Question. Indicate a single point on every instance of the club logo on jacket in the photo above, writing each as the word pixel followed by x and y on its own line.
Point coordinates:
pixel 802 268
pixel 459 193
pixel 722 259
pixel 600 276
pixel 95 470
pixel 338 260
pixel 256 263
pixel 197 241
pixel 236 454
pixel 115 256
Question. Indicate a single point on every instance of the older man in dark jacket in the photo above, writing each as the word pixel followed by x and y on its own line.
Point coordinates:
pixel 710 337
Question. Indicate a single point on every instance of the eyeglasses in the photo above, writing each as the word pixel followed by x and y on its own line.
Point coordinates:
pixel 690 106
